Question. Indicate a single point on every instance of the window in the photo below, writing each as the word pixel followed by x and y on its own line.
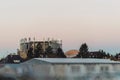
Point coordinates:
pixel 90 68
pixel 75 69
pixel 16 61
pixel 104 69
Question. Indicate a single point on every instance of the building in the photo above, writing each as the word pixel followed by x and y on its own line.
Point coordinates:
pixel 98 54
pixel 26 45
pixel 13 59
pixel 72 69
pixel 71 53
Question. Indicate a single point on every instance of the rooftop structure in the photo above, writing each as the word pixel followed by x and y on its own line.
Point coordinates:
pixel 26 45
pixel 73 61
pixel 73 68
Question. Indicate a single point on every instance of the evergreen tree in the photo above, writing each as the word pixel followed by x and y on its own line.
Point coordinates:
pixel 102 54
pixel 108 55
pixel 49 50
pixel 60 53
pixel 38 50
pixel 83 48
pixel 30 53
pixel 83 51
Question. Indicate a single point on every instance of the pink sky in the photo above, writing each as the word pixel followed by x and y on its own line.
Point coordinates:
pixel 95 22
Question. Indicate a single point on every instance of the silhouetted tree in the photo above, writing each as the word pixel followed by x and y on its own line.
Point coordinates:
pixel 102 54
pixel 2 61
pixel 83 51
pixel 108 55
pixel 30 53
pixel 38 50
pixel 84 48
pixel 9 59
pixel 117 56
pixel 112 57
pixel 60 53
pixel 49 50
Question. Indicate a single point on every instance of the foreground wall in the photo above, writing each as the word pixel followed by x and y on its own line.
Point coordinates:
pixel 73 71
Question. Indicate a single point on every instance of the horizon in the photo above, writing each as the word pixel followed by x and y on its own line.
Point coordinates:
pixel 95 22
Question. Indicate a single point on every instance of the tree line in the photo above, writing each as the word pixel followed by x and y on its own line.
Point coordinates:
pixel 84 52
pixel 39 52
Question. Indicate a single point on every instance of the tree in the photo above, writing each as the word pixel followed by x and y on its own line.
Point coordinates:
pixel 38 50
pixel 9 59
pixel 102 54
pixel 49 50
pixel 30 53
pixel 108 55
pixel 83 51
pixel 83 48
pixel 60 53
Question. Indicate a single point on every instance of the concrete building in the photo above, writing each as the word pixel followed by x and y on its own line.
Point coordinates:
pixel 25 45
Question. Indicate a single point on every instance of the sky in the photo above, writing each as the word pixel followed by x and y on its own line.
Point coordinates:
pixel 95 22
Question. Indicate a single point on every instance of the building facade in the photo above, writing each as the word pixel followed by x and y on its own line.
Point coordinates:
pixel 74 69
pixel 26 45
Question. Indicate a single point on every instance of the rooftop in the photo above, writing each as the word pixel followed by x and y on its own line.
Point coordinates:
pixel 72 61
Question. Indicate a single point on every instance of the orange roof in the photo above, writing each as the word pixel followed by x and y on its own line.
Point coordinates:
pixel 71 53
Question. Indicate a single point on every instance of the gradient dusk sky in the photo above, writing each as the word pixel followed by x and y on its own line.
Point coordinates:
pixel 96 22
